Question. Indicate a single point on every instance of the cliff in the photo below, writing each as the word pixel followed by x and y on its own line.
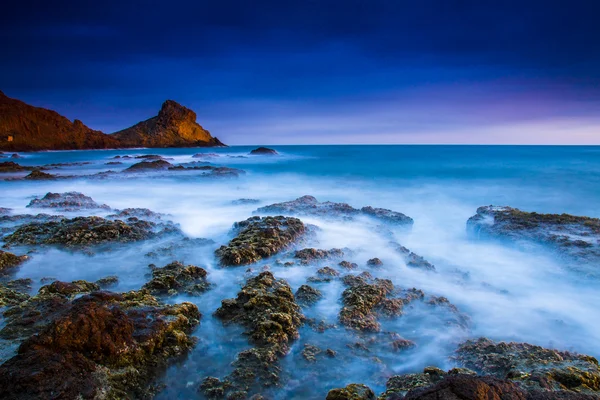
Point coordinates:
pixel 174 126
pixel 24 128
pixel 27 128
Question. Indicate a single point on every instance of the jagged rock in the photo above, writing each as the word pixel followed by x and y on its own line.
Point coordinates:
pixel 206 155
pixel 310 255
pixel 80 231
pixel 37 175
pixel 348 265
pixel 325 274
pixel 149 165
pixel 307 295
pixel 70 201
pixel 101 344
pixel 268 311
pixel 374 262
pixel 354 391
pixel 136 213
pixel 467 387
pixel 10 166
pixel 259 238
pixel 9 261
pixel 174 126
pixel 310 352
pixel 263 151
pixel 108 281
pixel 573 236
pixel 310 206
pixel 412 260
pixel 531 365
pixel 177 278
pixel 360 301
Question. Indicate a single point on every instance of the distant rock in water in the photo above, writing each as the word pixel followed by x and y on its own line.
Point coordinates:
pixel 69 201
pixel 38 175
pixel 27 128
pixel 145 165
pixel 174 126
pixel 308 205
pixel 9 166
pixel 264 151
pixel 573 236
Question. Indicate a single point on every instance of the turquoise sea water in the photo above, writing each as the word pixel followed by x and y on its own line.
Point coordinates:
pixel 519 293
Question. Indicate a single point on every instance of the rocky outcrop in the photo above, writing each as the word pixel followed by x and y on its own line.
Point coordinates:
pixel 572 236
pixel 101 345
pixel 263 151
pixel 9 261
pixel 531 366
pixel 69 201
pixel 266 308
pixel 174 126
pixel 177 278
pixel 27 128
pixel 80 232
pixel 310 206
pixel 9 166
pixel 259 238
pixel 354 391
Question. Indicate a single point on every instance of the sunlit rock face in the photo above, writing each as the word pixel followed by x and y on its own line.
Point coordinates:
pixel 174 126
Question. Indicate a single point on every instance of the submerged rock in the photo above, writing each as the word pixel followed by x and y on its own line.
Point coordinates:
pixel 10 166
pixel 159 164
pixel 99 346
pixel 9 261
pixel 108 281
pixel 573 236
pixel 177 278
pixel 307 295
pixel 354 391
pixel 266 308
pixel 80 231
pixel 308 205
pixel 531 366
pixel 38 175
pixel 412 260
pixel 259 238
pixel 70 201
pixel 310 255
pixel 264 151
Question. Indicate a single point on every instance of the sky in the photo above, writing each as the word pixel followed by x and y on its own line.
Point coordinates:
pixel 316 71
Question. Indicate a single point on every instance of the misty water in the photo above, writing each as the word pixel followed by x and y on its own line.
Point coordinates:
pixel 511 292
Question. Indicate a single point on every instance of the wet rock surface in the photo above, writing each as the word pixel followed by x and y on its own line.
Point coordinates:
pixel 307 295
pixel 159 164
pixel 70 201
pixel 354 391
pixel 310 206
pixel 259 238
pixel 177 278
pixel 10 261
pixel 37 175
pixel 532 366
pixel 11 166
pixel 572 236
pixel 267 309
pixel 101 345
pixel 263 151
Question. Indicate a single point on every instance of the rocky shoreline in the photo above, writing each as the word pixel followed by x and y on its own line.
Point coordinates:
pixel 89 340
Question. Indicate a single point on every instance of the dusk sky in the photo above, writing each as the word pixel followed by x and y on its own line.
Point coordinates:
pixel 327 71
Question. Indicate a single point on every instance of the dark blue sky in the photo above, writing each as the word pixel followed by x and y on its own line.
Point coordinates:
pixel 327 71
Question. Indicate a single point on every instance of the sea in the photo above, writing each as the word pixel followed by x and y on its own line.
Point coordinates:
pixel 510 291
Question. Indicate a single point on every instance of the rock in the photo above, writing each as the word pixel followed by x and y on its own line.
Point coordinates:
pixel 348 265
pixel 412 260
pixel 354 391
pixel 531 365
pixel 80 231
pixel 310 206
pixel 34 128
pixel 136 213
pixel 325 274
pixel 108 281
pixel 467 387
pixel 240 202
pixel 263 151
pixel 374 262
pixel 310 255
pixel 10 166
pixel 99 345
pixel 9 261
pixel 114 163
pixel 15 155
pixel 177 278
pixel 149 165
pixel 70 201
pixel 38 175
pixel 206 155
pixel 310 352
pixel 360 301
pixel 175 126
pixel 307 295
pixel 11 295
pixel 572 236
pixel 150 157
pixel 266 308
pixel 259 238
